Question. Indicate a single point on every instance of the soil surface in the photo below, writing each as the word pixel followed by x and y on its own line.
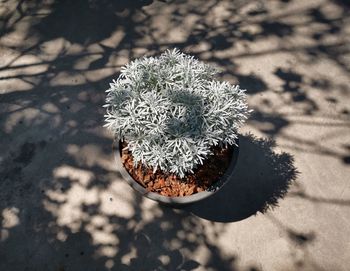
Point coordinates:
pixel 173 186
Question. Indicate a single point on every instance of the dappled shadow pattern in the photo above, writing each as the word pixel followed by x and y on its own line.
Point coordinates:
pixel 39 241
pixel 63 205
pixel 87 22
pixel 260 179
pixel 293 84
pixel 301 240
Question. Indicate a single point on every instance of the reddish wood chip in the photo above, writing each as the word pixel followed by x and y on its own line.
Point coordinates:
pixel 161 182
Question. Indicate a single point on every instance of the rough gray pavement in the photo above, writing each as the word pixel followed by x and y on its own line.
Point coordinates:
pixel 63 205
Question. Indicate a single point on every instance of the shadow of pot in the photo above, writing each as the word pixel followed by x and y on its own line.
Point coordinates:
pixel 176 201
pixel 260 180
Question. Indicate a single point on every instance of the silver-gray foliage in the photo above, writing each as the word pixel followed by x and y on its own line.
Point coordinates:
pixel 171 111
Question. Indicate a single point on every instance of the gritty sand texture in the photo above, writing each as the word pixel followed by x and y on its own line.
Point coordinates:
pixel 64 206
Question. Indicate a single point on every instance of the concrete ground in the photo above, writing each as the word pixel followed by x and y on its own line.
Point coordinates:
pixel 63 205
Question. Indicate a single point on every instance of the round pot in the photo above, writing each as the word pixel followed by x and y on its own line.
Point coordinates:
pixel 175 201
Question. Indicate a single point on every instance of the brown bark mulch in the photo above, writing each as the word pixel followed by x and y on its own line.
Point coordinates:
pixel 173 186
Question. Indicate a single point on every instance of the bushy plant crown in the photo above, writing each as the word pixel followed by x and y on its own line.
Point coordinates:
pixel 171 111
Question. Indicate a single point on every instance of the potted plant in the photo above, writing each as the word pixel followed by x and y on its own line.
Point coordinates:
pixel 175 126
